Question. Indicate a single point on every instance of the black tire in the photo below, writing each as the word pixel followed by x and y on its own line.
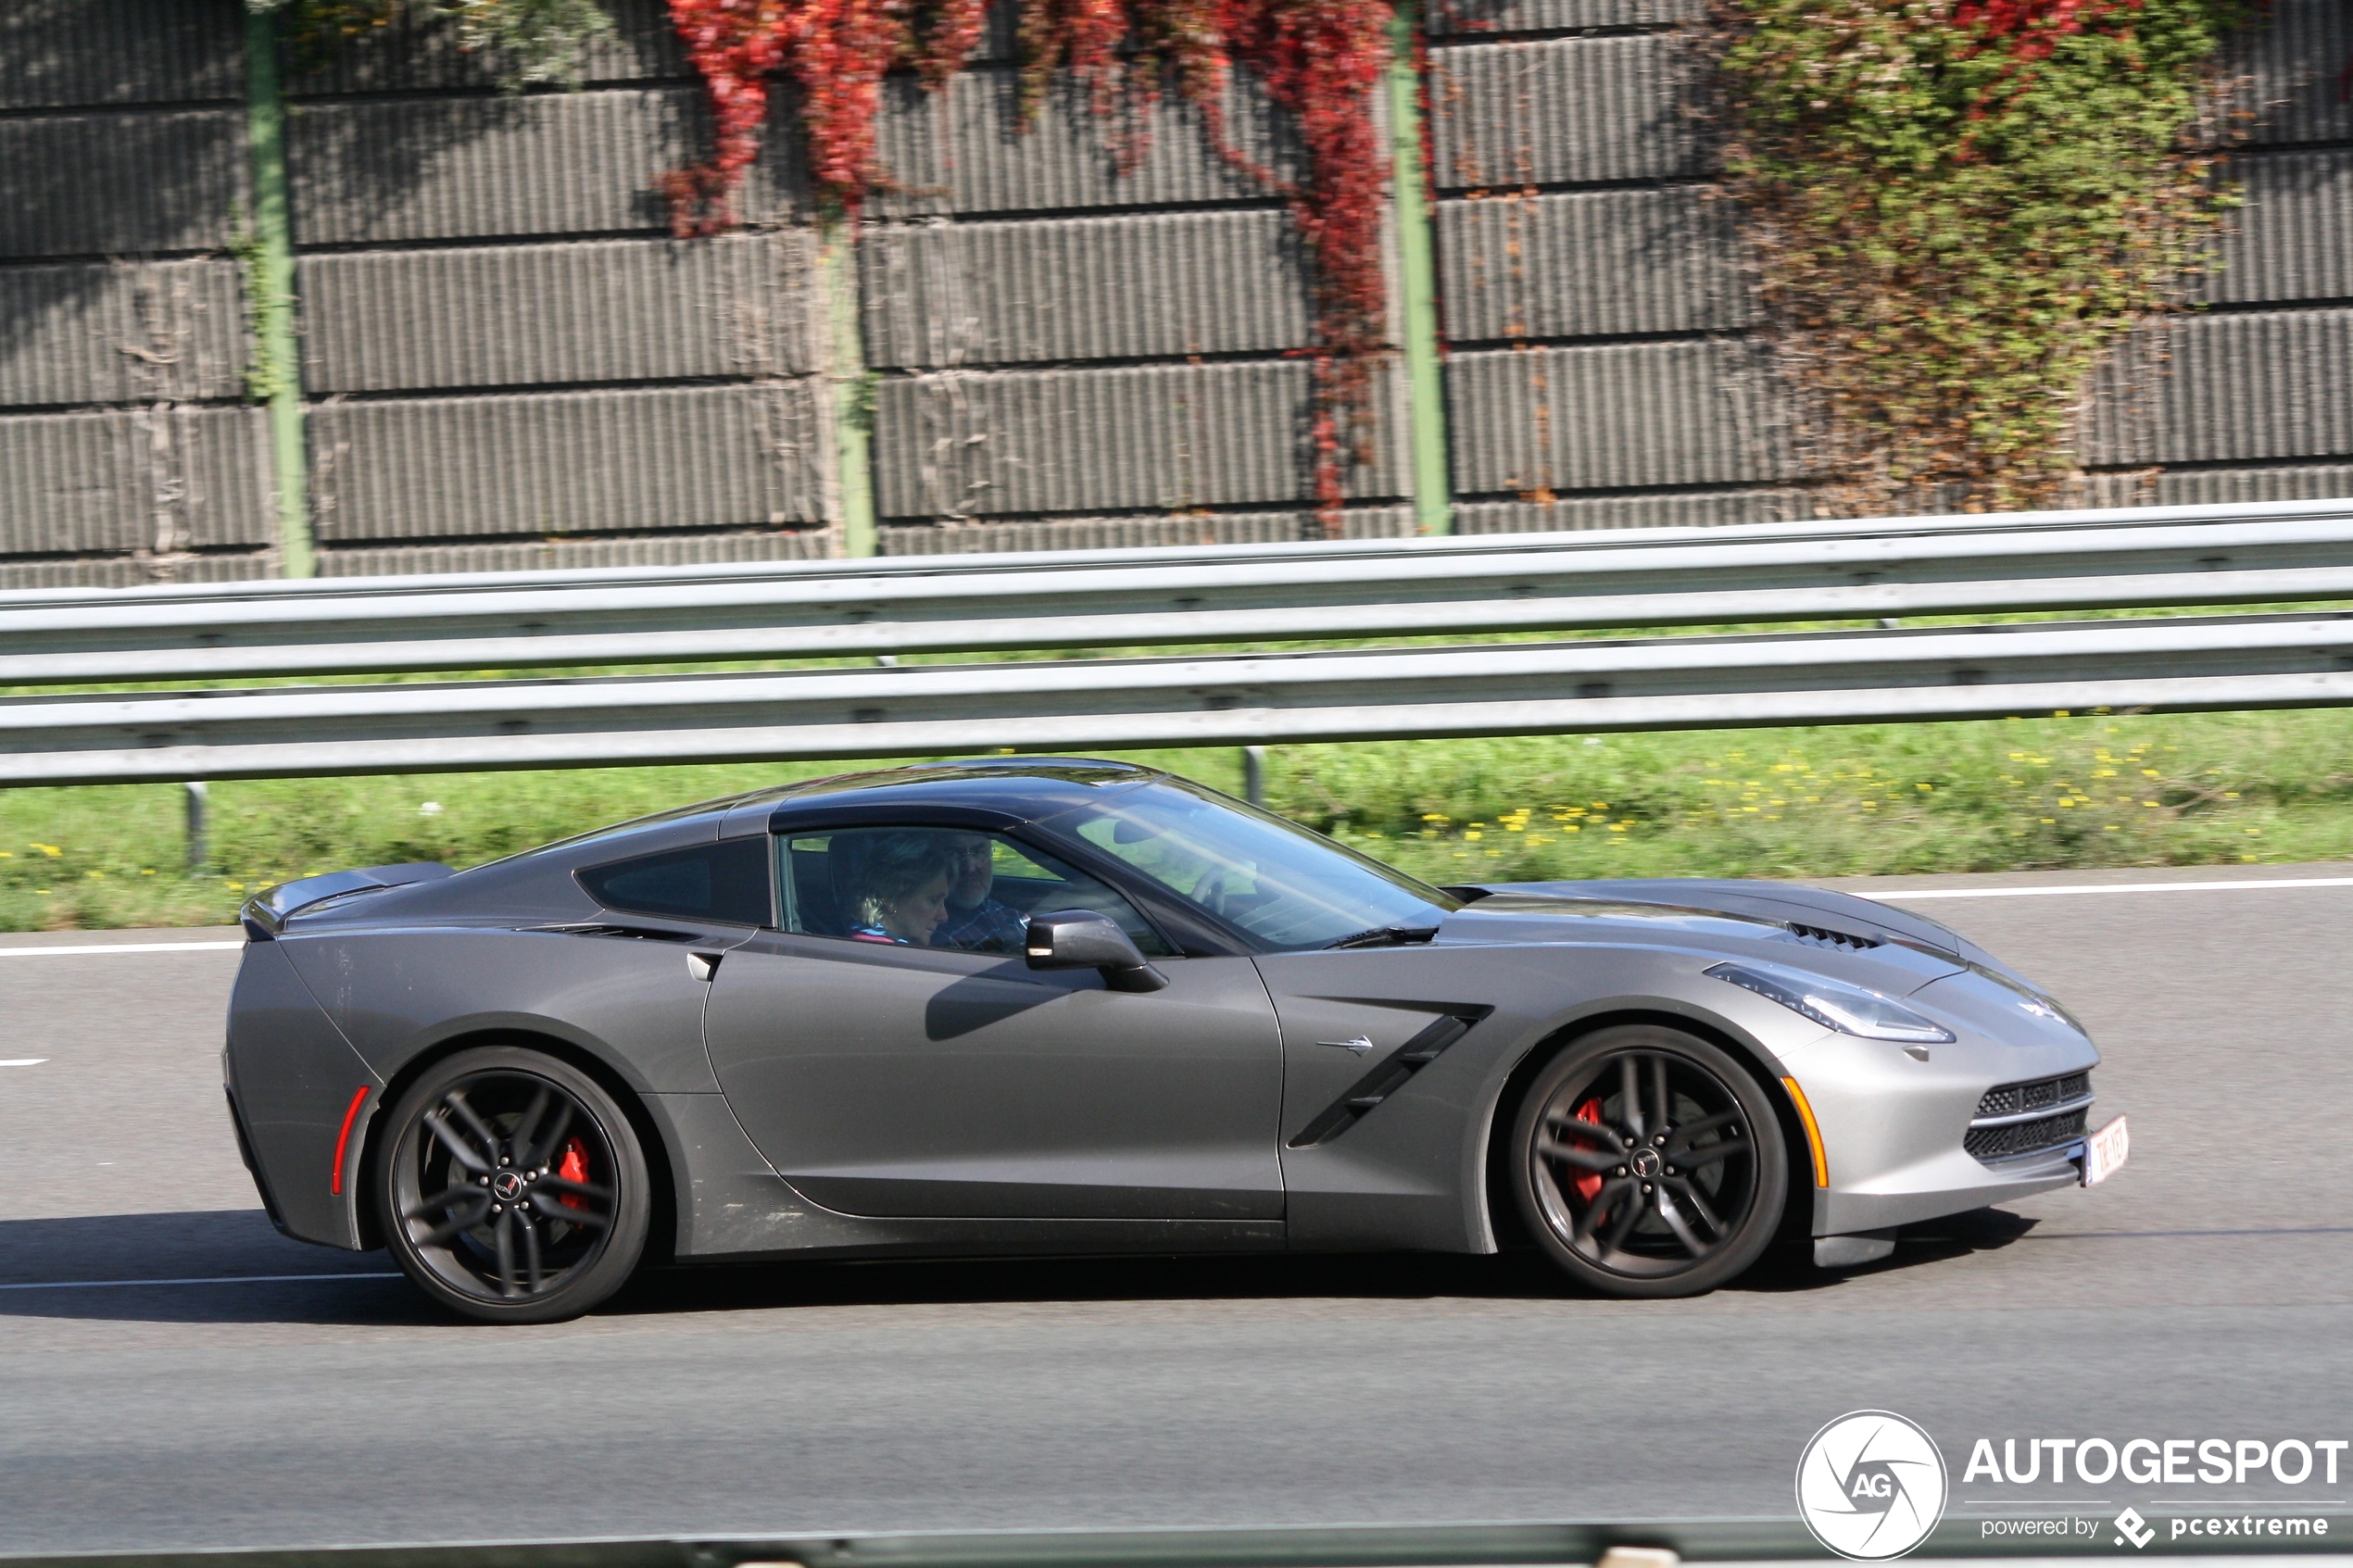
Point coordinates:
pixel 510 1187
pixel 1632 1207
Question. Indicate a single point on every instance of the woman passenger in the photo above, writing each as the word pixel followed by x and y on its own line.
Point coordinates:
pixel 899 888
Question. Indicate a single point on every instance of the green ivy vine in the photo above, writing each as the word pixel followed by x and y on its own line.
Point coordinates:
pixel 265 375
pixel 527 43
pixel 1959 205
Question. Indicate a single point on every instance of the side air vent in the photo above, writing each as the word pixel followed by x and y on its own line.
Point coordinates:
pixel 1386 1078
pixel 1823 936
pixel 598 928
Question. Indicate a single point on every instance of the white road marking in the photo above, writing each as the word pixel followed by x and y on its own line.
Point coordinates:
pixel 1898 897
pixel 120 947
pixel 24 1062
pixel 220 1279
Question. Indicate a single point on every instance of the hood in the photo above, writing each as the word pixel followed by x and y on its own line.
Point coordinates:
pixel 1815 912
pixel 1517 915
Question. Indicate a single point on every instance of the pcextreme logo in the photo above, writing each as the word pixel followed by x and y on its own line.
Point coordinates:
pixel 1870 1486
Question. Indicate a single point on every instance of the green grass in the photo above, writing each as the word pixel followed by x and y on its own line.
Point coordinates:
pixel 2017 794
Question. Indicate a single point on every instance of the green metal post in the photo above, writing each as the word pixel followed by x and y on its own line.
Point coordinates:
pixel 853 406
pixel 273 286
pixel 1424 381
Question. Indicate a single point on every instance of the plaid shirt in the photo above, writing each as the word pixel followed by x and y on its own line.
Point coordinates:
pixel 987 927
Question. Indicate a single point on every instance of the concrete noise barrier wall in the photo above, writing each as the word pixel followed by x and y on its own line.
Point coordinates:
pixel 505 361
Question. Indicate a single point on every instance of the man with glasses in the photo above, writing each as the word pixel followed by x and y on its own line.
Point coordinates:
pixel 976 922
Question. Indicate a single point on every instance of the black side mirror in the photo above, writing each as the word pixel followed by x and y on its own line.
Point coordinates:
pixel 1083 939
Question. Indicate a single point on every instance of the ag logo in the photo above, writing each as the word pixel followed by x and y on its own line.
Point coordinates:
pixel 1870 1486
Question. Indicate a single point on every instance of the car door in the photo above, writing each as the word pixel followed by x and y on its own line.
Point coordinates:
pixel 886 1077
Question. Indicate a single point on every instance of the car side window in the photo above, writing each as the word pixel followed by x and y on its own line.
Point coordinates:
pixel 726 882
pixel 936 888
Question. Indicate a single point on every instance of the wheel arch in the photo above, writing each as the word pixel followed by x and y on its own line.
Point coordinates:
pixel 661 1160
pixel 1504 1224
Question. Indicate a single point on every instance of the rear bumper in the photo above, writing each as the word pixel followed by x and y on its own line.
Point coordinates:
pixel 253 1167
pixel 295 1094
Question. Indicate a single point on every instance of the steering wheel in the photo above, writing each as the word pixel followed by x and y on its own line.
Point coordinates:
pixel 1213 894
pixel 1210 892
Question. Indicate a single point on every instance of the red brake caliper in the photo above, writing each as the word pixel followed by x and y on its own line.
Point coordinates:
pixel 574 1167
pixel 1589 1184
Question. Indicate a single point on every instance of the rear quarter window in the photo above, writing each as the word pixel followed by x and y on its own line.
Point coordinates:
pixel 726 882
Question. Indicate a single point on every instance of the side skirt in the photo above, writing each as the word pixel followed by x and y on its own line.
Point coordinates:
pixel 733 1205
pixel 1024 1238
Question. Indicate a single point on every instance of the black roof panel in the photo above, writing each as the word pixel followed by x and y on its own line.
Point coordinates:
pixel 1018 787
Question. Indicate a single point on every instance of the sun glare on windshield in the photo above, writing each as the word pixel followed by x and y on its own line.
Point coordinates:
pixel 1286 887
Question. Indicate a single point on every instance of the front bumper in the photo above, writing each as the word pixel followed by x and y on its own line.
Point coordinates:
pixel 1937 1188
pixel 1893 1125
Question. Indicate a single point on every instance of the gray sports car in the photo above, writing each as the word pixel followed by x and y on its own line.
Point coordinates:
pixel 1024 1007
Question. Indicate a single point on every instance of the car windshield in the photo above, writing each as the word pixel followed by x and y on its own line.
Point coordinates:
pixel 1288 887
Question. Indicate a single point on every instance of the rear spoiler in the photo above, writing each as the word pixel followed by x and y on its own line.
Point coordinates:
pixel 266 913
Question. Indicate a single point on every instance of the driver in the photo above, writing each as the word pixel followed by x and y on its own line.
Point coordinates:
pixel 976 922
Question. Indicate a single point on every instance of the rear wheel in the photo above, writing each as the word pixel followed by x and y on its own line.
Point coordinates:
pixel 1648 1163
pixel 511 1188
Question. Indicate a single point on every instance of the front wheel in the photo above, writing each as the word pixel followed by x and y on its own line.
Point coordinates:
pixel 510 1187
pixel 1648 1163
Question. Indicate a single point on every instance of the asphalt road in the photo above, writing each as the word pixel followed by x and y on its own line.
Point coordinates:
pixel 2203 1293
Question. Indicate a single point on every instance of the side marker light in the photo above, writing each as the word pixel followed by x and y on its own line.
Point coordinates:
pixel 343 1139
pixel 1813 1133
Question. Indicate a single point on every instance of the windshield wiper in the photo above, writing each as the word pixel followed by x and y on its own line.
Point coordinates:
pixel 1385 936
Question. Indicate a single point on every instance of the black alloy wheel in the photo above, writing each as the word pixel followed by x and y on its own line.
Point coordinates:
pixel 510 1187
pixel 1647 1161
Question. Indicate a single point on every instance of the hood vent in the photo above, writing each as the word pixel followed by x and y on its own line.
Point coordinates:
pixel 1823 936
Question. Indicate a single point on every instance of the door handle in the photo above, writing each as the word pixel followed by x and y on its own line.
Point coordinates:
pixel 702 966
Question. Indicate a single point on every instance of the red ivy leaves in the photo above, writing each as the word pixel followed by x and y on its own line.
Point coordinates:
pixel 839 53
pixel 2027 31
pixel 1083 36
pixel 735 45
pixel 836 51
pixel 2033 28
pixel 1321 60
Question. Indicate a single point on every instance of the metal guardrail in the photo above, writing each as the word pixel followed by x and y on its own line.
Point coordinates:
pixel 2135 557
pixel 2271 553
pixel 1658 682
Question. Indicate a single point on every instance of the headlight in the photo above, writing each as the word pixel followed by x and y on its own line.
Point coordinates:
pixel 1850 1010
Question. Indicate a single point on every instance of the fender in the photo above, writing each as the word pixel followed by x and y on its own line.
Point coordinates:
pixel 1519 1064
